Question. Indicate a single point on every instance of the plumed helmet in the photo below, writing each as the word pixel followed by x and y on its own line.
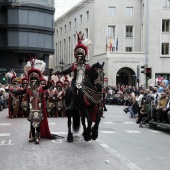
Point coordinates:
pixel 34 68
pixel 11 75
pixel 24 78
pixel 82 46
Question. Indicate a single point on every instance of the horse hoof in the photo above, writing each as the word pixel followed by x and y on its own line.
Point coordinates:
pixel 37 141
pixel 70 138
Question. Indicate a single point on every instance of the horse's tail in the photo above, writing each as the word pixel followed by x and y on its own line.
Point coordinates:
pixel 76 121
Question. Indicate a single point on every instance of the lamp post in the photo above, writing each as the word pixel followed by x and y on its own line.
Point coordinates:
pixel 61 64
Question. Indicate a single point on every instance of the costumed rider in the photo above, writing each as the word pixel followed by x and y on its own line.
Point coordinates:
pixel 80 67
pixel 13 98
pixel 37 105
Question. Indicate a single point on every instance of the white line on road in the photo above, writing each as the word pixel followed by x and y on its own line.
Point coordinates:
pixel 127 162
pixel 59 133
pixel 4 134
pixel 132 131
pixel 108 122
pixel 154 131
pixel 52 123
pixel 5 124
pixel 107 132
pixel 104 145
pixel 128 122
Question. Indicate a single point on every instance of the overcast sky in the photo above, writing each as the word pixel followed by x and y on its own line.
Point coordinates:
pixel 61 6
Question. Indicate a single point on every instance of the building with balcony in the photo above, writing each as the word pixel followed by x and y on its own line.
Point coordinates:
pixel 125 34
pixel 26 29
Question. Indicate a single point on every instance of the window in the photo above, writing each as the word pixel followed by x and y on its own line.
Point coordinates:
pixel 111 11
pixel 65 28
pixel 86 33
pixel 69 51
pixel 80 19
pixel 64 50
pixel 166 3
pixel 57 33
pixel 74 40
pixel 56 54
pixel 129 11
pixel 60 50
pixel 128 49
pixel 165 25
pixel 61 31
pixel 75 22
pixel 165 48
pixel 69 25
pixel 87 15
pixel 111 31
pixel 129 31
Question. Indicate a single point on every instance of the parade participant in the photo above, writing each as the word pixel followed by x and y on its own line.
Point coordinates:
pixel 80 67
pixel 51 97
pixel 36 102
pixel 23 97
pixel 60 96
pixel 13 98
pixel 67 82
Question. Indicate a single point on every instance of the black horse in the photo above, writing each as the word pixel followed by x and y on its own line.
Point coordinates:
pixel 88 104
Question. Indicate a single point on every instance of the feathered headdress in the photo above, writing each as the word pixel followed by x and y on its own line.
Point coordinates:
pixel 44 78
pixel 54 78
pixel 11 75
pixel 34 68
pixel 60 81
pixel 24 78
pixel 82 46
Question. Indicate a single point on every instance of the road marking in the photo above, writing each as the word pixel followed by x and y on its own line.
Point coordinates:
pixel 52 123
pixel 154 131
pixel 104 145
pixel 4 134
pixel 59 133
pixel 132 131
pixel 107 132
pixel 5 124
pixel 8 143
pixel 108 122
pixel 128 122
pixel 120 157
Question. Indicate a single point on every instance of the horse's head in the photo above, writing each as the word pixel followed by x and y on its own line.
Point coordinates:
pixel 97 75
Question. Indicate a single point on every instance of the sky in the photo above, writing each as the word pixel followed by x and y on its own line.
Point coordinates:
pixel 62 6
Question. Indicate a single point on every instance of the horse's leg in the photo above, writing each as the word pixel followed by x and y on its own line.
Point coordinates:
pixel 84 124
pixel 87 131
pixel 70 134
pixel 95 127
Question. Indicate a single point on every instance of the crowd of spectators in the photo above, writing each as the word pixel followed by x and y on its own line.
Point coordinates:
pixel 141 102
pixel 4 95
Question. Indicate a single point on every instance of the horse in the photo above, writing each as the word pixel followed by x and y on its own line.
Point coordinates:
pixel 88 103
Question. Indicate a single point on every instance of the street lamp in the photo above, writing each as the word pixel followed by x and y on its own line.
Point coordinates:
pixel 61 64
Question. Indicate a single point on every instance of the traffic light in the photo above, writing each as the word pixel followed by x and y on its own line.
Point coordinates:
pixel 149 73
pixel 144 69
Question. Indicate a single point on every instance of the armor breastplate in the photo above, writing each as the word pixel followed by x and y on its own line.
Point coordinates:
pixel 80 76
pixel 34 100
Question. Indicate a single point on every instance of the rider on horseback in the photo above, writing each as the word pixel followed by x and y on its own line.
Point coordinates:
pixel 79 67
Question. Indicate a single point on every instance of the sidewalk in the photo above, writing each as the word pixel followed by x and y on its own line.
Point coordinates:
pixel 18 154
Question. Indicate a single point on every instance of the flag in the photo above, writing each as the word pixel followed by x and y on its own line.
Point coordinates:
pixel 106 45
pixel 117 43
pixel 110 44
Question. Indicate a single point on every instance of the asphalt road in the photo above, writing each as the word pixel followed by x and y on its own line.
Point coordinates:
pixel 121 145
